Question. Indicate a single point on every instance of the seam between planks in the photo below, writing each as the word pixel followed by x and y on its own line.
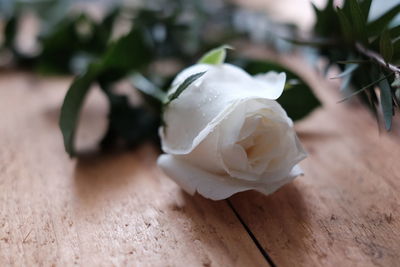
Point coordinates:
pixel 252 236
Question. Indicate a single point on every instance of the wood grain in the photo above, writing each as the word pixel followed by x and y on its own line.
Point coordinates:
pixel 113 210
pixel 345 210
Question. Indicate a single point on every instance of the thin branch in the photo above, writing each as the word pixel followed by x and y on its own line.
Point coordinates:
pixel 377 58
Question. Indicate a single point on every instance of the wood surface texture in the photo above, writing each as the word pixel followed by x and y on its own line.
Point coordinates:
pixel 119 209
pixel 113 210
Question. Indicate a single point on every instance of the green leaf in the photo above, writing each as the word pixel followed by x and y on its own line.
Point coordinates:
pixel 386 103
pixel 298 101
pixel 365 7
pixel 72 105
pixel 359 20
pixel 364 88
pixel 396 50
pixel 345 25
pixel 325 23
pixel 386 46
pixel 216 56
pixel 395 31
pixel 185 84
pixel 126 54
pixel 376 26
pixel 10 31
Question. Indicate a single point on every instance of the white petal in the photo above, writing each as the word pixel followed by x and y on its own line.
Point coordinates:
pixel 206 155
pixel 273 82
pixel 193 179
pixel 195 113
pixel 213 186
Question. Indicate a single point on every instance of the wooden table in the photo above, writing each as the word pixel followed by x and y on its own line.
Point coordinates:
pixel 121 210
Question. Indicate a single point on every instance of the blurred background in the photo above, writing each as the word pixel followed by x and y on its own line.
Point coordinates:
pixel 62 36
pixel 143 44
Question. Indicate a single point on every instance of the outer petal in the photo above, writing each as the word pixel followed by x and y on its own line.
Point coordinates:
pixel 272 81
pixel 206 155
pixel 213 186
pixel 195 113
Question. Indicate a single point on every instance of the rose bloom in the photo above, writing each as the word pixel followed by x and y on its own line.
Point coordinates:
pixel 226 133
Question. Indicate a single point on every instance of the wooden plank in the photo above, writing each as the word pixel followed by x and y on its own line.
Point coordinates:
pixel 345 210
pixel 109 210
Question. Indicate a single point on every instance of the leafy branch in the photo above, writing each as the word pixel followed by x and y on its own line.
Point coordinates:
pixel 378 58
pixel 368 52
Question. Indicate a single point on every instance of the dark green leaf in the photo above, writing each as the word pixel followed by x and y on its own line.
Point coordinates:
pixel 386 103
pixel 317 11
pixel 386 47
pixel 10 31
pixel 394 32
pixel 127 53
pixel 365 7
pixel 72 105
pixel 345 25
pixel 396 51
pixel 358 20
pixel 188 81
pixel 364 88
pixel 325 24
pixel 376 26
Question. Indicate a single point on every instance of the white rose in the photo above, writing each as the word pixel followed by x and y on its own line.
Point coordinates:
pixel 225 133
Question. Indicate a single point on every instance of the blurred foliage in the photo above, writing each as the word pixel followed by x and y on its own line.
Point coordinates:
pixel 367 51
pixel 70 38
pixel 170 32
